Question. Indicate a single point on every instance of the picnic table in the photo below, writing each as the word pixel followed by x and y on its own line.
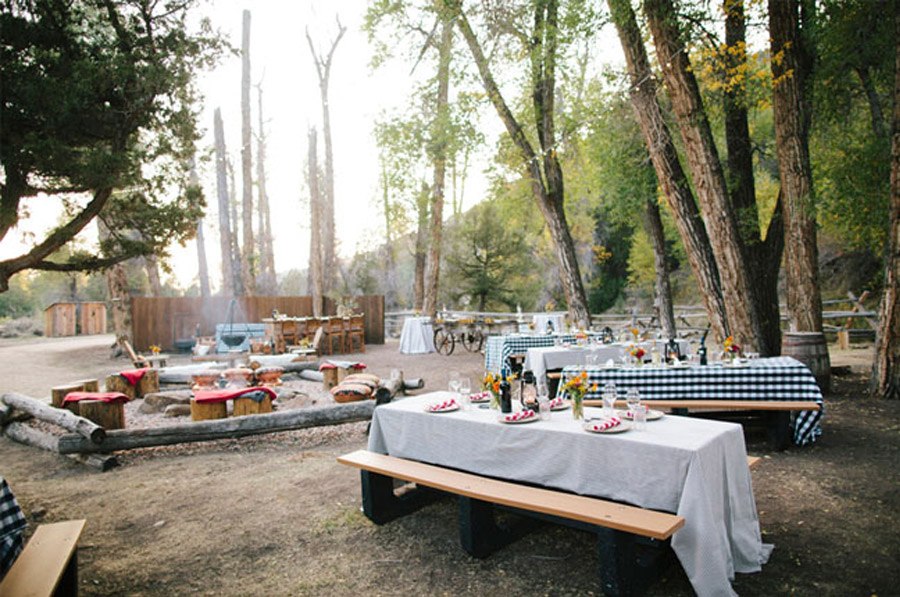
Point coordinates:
pixel 12 525
pixel 499 348
pixel 775 378
pixel 542 359
pixel 695 468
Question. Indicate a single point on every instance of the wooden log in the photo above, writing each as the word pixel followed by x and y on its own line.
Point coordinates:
pixel 233 427
pixel 205 411
pixel 149 383
pixel 109 415
pixel 330 378
pixel 387 389
pixel 58 393
pixel 57 416
pixel 249 406
pixel 413 384
pixel 25 434
pixel 117 383
pixel 310 375
pixel 101 462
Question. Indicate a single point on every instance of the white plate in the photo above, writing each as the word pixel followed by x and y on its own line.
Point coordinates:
pixel 652 415
pixel 623 426
pixel 479 400
pixel 502 419
pixel 562 405
pixel 446 409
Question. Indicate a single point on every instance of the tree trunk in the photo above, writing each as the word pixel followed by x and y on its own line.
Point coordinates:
pixel 249 263
pixel 225 242
pixel 236 262
pixel 203 266
pixel 323 70
pixel 663 291
pixel 804 302
pixel 118 293
pixel 390 273
pixel 885 382
pixel 874 102
pixel 549 197
pixel 267 281
pixel 315 225
pixel 419 252
pixel 439 139
pixel 672 179
pixel 57 416
pixel 151 265
pixel 744 320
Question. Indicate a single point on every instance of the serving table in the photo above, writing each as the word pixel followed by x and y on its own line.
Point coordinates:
pixel 498 348
pixel 417 336
pixel 542 359
pixel 696 468
pixel 775 378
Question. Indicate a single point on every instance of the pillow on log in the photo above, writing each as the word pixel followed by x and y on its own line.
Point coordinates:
pixel 350 392
pixel 366 380
pixel 325 366
pixel 99 396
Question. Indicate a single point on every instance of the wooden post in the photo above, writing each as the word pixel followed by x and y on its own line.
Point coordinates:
pixel 149 383
pixel 117 383
pixel 109 415
pixel 249 406
pixel 204 411
pixel 843 338
pixel 330 378
pixel 58 393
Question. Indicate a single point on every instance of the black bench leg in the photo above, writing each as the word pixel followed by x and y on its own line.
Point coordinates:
pixel 629 563
pixel 68 582
pixel 479 533
pixel 381 505
pixel 779 429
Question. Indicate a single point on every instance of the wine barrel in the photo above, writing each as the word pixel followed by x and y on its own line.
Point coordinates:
pixel 810 349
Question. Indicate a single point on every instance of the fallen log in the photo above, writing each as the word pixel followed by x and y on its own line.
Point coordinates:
pixel 311 375
pixel 184 373
pixel 387 389
pixel 413 384
pixel 101 462
pixel 233 427
pixel 25 434
pixel 57 416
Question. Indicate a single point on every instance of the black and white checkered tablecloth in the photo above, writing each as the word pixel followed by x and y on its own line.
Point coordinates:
pixel 498 348
pixel 776 378
pixel 12 524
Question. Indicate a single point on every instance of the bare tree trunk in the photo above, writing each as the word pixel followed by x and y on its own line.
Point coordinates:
pixel 225 240
pixel 390 267
pixel 323 70
pixel 804 301
pixel 663 290
pixel 315 224
pixel 549 196
pixel 151 265
pixel 419 252
pixel 203 266
pixel 236 263
pixel 709 180
pixel 885 382
pixel 439 148
pixel 671 176
pixel 266 279
pixel 865 79
pixel 248 254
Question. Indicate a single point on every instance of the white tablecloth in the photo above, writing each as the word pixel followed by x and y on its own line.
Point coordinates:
pixel 694 467
pixel 417 336
pixel 551 358
pixel 540 322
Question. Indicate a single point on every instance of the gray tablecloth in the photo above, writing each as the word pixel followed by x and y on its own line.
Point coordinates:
pixel 540 360
pixel 696 468
pixel 417 336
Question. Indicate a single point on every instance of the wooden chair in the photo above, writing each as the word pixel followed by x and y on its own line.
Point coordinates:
pixel 355 330
pixel 334 334
pixel 142 362
pixel 315 347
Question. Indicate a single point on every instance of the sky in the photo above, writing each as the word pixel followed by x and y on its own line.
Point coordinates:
pixel 280 58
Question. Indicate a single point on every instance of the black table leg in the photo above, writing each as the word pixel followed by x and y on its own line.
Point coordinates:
pixel 779 425
pixel 381 505
pixel 479 533
pixel 629 563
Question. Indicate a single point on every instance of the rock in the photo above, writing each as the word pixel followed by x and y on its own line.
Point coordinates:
pixel 177 410
pixel 158 401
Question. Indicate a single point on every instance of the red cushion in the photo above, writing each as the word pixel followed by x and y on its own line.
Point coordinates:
pixel 225 395
pixel 133 376
pixel 101 396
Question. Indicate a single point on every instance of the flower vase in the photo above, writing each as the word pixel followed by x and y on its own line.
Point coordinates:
pixel 495 401
pixel 577 407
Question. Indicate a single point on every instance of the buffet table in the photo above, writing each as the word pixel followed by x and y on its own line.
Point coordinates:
pixel 696 468
pixel 417 336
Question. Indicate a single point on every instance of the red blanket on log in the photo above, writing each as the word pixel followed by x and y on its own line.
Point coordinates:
pixel 101 396
pixel 225 395
pixel 133 376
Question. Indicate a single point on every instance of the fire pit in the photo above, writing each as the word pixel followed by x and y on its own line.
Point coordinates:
pixel 269 376
pixel 238 377
pixel 205 380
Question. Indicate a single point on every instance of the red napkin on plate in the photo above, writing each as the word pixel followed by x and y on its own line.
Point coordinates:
pixel 556 402
pixel 605 424
pixel 101 396
pixel 519 416
pixel 224 395
pixel 442 405
pixel 479 396
pixel 133 376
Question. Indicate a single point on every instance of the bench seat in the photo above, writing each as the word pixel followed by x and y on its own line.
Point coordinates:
pixel 48 565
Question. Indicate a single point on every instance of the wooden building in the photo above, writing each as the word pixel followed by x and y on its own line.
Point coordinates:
pixel 69 319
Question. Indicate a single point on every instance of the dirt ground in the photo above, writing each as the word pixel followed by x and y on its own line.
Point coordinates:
pixel 276 515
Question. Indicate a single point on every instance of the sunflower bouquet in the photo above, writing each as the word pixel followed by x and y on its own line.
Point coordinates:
pixel 575 388
pixel 491 383
pixel 731 350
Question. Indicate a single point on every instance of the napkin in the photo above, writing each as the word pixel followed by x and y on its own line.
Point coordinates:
pixel 519 416
pixel 556 402
pixel 442 405
pixel 479 396
pixel 605 424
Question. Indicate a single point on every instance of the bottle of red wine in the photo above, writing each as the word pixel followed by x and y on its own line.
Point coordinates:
pixel 505 398
pixel 702 350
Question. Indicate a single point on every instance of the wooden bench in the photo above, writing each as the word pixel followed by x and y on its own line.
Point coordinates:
pixel 49 563
pixel 631 540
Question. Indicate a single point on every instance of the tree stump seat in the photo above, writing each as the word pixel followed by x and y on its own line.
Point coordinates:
pixel 106 409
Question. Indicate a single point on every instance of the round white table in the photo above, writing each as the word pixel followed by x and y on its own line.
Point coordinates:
pixel 417 336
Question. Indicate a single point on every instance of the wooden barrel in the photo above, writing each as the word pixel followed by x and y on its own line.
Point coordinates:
pixel 810 349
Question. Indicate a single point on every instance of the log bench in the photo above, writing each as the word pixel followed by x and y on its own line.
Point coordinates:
pixel 632 541
pixel 49 563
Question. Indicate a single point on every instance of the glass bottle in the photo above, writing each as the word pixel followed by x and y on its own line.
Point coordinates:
pixel 505 398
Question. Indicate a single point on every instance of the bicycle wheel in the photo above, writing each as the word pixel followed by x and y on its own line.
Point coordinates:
pixel 444 342
pixel 472 340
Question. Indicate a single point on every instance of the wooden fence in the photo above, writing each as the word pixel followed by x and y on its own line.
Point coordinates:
pixel 171 322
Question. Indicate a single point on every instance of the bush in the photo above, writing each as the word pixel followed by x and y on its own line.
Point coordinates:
pixel 21 326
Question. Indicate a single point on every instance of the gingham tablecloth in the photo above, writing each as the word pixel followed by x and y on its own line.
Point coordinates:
pixel 12 524
pixel 776 378
pixel 498 348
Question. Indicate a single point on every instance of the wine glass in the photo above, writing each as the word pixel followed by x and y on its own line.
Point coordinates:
pixel 633 398
pixel 453 384
pixel 609 399
pixel 465 388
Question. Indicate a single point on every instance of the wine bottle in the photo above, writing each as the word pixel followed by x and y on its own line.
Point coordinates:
pixel 702 350
pixel 505 398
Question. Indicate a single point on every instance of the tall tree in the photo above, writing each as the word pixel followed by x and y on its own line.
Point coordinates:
pixel 790 71
pixel 543 168
pixel 248 251
pixel 151 264
pixel 316 284
pixel 438 150
pixel 323 71
pixel 266 281
pixel 665 310
pixel 118 293
pixel 226 244
pixel 885 382
pixel 202 265
pixel 125 70
pixel 669 172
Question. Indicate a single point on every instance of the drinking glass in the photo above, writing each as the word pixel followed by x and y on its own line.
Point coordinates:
pixel 633 398
pixel 453 384
pixel 639 417
pixel 465 389
pixel 609 399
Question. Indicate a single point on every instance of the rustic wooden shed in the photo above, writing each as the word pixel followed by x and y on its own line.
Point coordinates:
pixel 68 319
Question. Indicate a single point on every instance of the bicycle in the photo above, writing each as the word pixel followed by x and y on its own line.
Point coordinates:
pixel 447 333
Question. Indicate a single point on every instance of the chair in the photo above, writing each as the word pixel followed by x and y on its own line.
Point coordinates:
pixel 334 333
pixel 355 329
pixel 140 361
pixel 315 347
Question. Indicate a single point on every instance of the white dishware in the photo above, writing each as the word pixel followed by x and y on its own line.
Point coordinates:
pixel 609 397
pixel 639 414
